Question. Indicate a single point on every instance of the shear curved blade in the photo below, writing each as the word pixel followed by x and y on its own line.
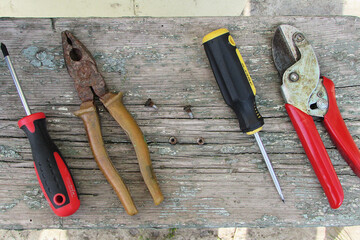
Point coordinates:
pixel 284 51
pixel 297 64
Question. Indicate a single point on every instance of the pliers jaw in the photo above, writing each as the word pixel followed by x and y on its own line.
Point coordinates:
pixel 82 68
pixel 88 81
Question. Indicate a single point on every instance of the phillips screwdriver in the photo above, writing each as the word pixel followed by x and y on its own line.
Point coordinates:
pixel 51 170
pixel 237 87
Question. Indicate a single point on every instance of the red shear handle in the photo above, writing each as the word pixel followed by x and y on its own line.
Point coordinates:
pixel 316 152
pixel 338 131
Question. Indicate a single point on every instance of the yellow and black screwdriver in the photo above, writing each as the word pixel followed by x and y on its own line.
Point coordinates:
pixel 236 87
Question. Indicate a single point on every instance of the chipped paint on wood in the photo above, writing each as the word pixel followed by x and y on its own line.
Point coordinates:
pixel 223 183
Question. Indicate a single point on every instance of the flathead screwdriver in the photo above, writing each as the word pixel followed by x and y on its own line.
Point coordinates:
pixel 237 87
pixel 51 170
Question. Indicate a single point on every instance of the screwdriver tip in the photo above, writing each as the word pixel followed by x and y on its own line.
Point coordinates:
pixel 283 200
pixel 4 50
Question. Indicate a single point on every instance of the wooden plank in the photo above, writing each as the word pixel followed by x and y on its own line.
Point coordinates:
pixel 222 183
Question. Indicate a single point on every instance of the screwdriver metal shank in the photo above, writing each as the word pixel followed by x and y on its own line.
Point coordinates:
pixel 17 84
pixel 236 87
pixel 54 177
pixel 268 165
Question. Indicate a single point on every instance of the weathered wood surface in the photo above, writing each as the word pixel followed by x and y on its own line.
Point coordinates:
pixel 222 183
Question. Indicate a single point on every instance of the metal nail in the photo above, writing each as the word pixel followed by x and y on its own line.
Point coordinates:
pixel 150 103
pixel 187 109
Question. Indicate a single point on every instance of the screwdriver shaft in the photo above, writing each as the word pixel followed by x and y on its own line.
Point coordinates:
pixel 15 78
pixel 236 86
pixel 17 84
pixel 52 173
pixel 268 164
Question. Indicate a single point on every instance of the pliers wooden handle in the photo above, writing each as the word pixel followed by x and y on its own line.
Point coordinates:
pixel 82 68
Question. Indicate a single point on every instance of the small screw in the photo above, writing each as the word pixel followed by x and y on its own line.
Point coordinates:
pixel 150 103
pixel 294 76
pixel 320 94
pixel 298 37
pixel 200 141
pixel 172 140
pixel 187 109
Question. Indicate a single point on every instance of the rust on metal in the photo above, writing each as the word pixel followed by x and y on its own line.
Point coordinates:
pixel 187 109
pixel 150 103
pixel 200 141
pixel 172 140
pixel 296 61
pixel 82 68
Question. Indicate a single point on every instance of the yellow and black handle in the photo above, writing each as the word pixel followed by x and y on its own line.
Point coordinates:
pixel 233 79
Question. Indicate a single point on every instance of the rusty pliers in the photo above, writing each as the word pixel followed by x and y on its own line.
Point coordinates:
pixel 82 68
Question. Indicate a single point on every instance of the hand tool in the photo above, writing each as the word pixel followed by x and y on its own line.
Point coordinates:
pixel 51 170
pixel 88 81
pixel 236 87
pixel 306 94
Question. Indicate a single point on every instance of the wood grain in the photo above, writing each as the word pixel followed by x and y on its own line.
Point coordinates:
pixel 220 184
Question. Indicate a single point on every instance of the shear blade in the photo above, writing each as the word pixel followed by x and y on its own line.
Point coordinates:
pixel 284 51
pixel 297 64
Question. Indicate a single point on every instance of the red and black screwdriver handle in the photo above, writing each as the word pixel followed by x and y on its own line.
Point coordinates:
pixel 52 172
pixel 315 149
